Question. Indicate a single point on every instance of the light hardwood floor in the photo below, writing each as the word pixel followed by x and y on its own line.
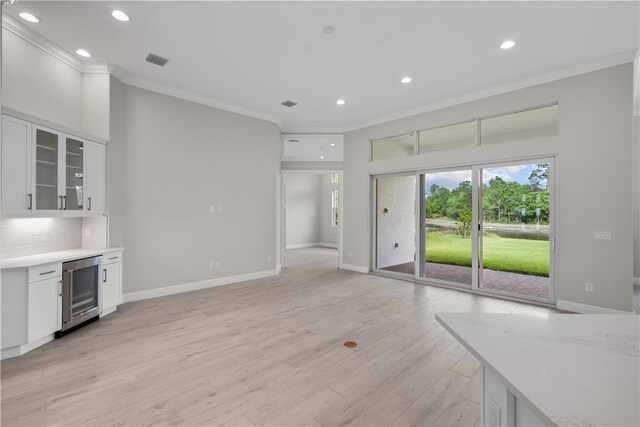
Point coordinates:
pixel 265 352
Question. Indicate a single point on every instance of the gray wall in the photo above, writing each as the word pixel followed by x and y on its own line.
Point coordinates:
pixel 176 159
pixel 594 161
pixel 328 233
pixel 302 208
pixel 636 198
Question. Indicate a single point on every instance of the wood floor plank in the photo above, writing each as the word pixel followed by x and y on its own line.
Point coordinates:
pixel 264 352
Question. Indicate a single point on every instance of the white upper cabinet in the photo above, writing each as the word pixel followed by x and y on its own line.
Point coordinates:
pixel 17 192
pixel 50 173
pixel 95 180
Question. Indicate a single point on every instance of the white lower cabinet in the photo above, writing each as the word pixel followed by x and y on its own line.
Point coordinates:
pixel 111 282
pixel 500 407
pixel 44 308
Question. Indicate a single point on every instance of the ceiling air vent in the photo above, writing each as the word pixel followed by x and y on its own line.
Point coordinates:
pixel 288 103
pixel 158 60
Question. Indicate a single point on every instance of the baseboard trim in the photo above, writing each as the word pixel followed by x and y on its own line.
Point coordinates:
pixel 577 307
pixel 356 268
pixel 19 350
pixel 194 286
pixel 328 245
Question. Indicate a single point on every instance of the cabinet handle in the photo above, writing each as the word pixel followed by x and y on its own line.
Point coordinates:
pixel 89 198
pixel 30 205
pixel 104 275
pixel 60 288
pixel 113 257
pixel 64 199
pixel 61 203
pixel 47 272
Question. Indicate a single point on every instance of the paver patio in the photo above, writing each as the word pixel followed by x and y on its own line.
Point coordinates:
pixel 521 284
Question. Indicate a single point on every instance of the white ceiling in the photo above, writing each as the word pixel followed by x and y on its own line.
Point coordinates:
pixel 251 56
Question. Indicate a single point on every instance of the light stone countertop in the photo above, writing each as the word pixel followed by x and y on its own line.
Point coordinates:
pixel 570 369
pixel 59 256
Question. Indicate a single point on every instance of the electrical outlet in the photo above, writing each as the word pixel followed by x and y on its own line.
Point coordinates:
pixel 87 232
pixel 602 235
pixel 212 209
pixel 494 414
pixel 210 266
pixel 269 258
pixel 588 287
pixel 218 266
pixel 219 209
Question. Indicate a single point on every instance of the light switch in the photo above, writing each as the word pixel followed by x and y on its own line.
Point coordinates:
pixel 602 235
pixel 87 232
pixel 212 209
pixel 219 209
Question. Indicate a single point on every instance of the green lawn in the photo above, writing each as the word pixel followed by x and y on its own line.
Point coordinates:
pixel 500 253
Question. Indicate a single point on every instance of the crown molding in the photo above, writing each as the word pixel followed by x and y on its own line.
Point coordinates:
pixel 64 56
pixel 43 43
pixel 562 73
pixel 131 80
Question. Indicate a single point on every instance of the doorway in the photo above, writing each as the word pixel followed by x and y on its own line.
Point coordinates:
pixel 311 215
pixel 485 227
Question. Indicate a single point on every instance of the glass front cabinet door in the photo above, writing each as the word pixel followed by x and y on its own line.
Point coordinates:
pixel 49 149
pixel 59 171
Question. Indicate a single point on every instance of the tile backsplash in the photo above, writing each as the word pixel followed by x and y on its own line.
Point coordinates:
pixel 32 236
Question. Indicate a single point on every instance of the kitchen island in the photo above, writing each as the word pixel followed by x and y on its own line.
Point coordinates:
pixel 555 369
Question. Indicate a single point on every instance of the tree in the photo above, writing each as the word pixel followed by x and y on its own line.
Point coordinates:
pixel 539 175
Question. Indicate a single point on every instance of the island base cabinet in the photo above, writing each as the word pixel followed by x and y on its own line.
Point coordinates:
pixel 45 308
pixel 500 407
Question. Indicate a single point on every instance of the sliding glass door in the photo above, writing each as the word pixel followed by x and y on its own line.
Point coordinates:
pixel 484 227
pixel 447 227
pixel 515 253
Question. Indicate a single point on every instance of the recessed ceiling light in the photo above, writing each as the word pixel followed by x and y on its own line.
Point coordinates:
pixel 84 53
pixel 120 15
pixel 29 17
pixel 406 80
pixel 341 102
pixel 507 44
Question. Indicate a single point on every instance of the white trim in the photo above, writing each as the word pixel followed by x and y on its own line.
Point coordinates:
pixel 41 42
pixel 356 268
pixel 303 245
pixel 108 311
pixel 194 286
pixel 19 350
pixel 574 70
pixel 328 245
pixel 278 269
pixel 189 96
pixel 577 307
